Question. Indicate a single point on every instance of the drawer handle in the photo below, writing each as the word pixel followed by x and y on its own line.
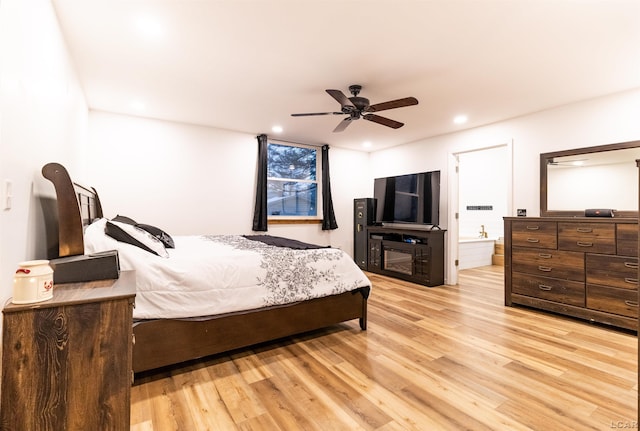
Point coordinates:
pixel 632 265
pixel 533 227
pixel 631 303
pixel 534 240
pixel 544 287
pixel 545 268
pixel 631 280
pixel 584 230
pixel 584 244
pixel 544 255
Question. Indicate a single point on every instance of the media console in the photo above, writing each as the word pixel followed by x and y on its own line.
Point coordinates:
pixel 415 255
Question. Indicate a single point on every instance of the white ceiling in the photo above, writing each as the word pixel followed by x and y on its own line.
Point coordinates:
pixel 247 65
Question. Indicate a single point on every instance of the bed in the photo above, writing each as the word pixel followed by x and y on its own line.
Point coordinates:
pixel 195 331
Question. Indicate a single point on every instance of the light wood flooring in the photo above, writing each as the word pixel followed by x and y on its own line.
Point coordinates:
pixel 442 358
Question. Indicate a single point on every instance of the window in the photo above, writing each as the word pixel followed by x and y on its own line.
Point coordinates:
pixel 292 184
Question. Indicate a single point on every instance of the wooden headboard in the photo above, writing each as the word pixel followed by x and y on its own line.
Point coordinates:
pixel 78 206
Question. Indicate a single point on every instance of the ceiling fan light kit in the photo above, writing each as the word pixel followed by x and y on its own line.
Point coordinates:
pixel 357 107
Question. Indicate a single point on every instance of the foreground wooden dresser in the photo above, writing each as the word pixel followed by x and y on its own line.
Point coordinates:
pixel 583 267
pixel 66 362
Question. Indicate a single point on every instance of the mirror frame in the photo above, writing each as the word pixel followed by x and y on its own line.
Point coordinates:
pixel 544 161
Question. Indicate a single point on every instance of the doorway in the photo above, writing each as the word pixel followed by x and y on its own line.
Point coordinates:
pixel 480 196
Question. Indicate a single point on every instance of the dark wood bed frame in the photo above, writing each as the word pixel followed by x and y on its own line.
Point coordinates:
pixel 165 342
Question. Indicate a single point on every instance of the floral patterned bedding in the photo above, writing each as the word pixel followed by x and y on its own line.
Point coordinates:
pixel 208 275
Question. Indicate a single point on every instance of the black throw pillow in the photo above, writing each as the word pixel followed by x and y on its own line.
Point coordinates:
pixel 164 237
pixel 124 219
pixel 130 234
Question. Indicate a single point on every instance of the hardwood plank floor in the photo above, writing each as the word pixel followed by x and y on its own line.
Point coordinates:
pixel 442 358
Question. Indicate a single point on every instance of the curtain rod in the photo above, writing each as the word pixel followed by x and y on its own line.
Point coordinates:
pixel 297 143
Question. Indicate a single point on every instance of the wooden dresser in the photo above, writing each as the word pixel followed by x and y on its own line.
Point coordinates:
pixel 66 362
pixel 583 267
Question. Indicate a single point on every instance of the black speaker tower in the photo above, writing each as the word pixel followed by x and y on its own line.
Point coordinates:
pixel 364 213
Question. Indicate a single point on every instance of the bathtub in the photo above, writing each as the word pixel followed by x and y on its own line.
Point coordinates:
pixel 473 252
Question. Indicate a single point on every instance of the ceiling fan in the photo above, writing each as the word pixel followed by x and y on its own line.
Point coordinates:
pixel 358 107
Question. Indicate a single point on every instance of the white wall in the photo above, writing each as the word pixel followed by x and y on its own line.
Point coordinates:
pixel 43 118
pixel 191 180
pixel 600 121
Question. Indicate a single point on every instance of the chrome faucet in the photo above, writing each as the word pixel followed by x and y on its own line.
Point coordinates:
pixel 483 233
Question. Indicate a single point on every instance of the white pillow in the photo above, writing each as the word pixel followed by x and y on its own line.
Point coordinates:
pixel 95 240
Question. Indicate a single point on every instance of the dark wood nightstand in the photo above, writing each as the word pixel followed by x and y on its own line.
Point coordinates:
pixel 66 362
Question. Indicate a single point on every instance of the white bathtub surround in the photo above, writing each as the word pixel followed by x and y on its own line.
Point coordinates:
pixel 474 252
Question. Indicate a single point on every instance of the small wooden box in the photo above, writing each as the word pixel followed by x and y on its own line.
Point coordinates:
pixel 80 268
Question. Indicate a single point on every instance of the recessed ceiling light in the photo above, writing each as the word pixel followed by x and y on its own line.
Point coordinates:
pixel 277 129
pixel 149 27
pixel 460 119
pixel 367 144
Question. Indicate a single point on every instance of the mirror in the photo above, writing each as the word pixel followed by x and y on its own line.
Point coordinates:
pixel 603 177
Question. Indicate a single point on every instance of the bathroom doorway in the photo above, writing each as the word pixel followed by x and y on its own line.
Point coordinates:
pixel 480 197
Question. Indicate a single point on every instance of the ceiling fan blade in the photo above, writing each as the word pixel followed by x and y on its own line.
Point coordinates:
pixel 341 98
pixel 399 103
pixel 317 113
pixel 383 120
pixel 343 124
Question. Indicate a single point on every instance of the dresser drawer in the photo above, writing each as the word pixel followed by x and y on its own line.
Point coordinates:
pixel 564 291
pixel 567 265
pixel 613 300
pixel 587 237
pixel 627 239
pixel 534 233
pixel 614 271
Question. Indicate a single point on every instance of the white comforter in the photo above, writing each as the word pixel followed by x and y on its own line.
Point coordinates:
pixel 219 274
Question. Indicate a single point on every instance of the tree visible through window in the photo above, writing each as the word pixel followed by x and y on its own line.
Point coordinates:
pixel 292 185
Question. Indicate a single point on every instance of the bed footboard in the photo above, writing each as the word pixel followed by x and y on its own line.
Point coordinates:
pixel 170 341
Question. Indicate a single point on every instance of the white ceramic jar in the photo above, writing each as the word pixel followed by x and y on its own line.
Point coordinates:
pixel 32 282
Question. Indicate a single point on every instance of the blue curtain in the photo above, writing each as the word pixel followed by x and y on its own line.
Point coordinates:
pixel 260 210
pixel 328 216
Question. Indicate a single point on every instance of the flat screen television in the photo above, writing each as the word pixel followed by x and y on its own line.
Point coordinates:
pixel 412 198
